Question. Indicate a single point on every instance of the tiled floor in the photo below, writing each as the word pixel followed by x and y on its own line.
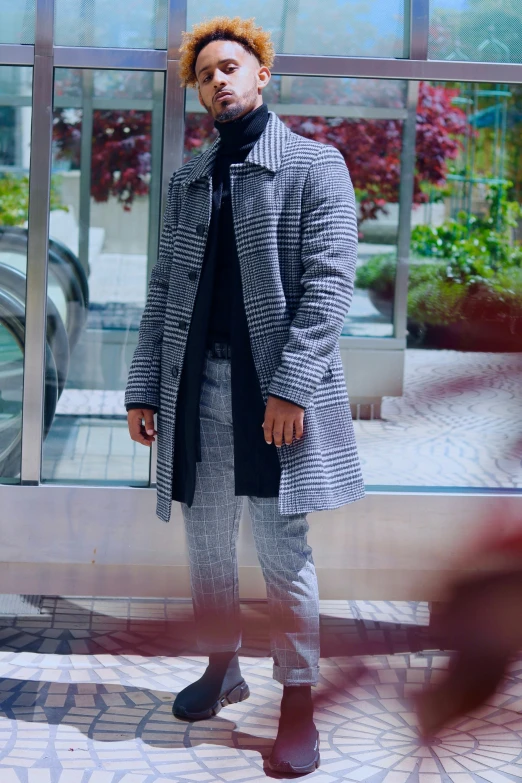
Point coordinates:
pixel 87 688
pixel 456 425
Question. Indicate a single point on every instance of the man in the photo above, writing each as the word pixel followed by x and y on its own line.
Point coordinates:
pixel 238 353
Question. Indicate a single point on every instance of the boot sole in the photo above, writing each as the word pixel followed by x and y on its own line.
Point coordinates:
pixel 239 692
pixel 286 768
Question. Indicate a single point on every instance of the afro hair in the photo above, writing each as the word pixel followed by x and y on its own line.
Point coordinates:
pixel 223 28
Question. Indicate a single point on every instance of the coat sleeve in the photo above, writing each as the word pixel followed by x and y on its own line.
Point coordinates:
pixel 143 382
pixel 329 255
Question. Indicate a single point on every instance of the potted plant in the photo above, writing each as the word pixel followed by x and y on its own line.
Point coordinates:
pixel 465 282
pixel 483 315
pixel 377 276
pixel 474 302
pixel 14 199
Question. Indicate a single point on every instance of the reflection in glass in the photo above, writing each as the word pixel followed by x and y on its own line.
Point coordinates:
pixel 111 85
pixel 11 386
pixel 135 24
pixel 471 292
pixel 352 28
pixel 107 170
pixel 457 424
pixel 15 136
pixel 18 20
pixel 477 30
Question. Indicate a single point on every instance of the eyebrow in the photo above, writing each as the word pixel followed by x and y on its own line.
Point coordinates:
pixel 225 60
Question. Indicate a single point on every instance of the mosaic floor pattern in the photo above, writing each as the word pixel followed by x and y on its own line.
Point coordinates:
pixel 87 688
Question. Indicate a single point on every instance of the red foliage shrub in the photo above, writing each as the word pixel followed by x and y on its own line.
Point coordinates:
pixel 120 162
pixel 371 148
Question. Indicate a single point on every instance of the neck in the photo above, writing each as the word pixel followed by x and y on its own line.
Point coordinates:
pixel 243 131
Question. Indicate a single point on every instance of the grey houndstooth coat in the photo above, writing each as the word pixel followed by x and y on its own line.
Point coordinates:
pixel 296 233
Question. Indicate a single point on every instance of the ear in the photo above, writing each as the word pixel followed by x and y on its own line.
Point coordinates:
pixel 263 77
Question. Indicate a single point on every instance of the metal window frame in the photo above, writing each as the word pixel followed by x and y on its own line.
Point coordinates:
pixel 44 57
pixel 16 54
pixel 38 246
pixel 416 34
pixel 417 20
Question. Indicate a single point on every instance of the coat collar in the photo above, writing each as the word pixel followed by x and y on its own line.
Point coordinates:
pixel 267 152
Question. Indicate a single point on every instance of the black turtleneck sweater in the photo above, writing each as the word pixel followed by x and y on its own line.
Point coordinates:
pixel 219 315
pixel 237 139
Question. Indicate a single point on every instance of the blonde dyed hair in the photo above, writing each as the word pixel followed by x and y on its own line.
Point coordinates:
pixel 223 28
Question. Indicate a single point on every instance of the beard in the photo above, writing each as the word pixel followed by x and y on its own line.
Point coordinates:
pixel 241 106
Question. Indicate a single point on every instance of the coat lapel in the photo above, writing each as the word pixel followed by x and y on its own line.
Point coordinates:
pixel 203 164
pixel 267 153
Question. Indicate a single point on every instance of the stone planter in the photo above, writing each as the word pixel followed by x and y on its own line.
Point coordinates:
pixel 382 302
pixel 486 335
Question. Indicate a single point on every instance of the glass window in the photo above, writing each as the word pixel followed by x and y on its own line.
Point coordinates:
pixel 138 24
pixel 477 30
pixel 350 28
pixel 104 235
pixel 17 25
pixel 364 119
pixel 457 423
pixel 15 138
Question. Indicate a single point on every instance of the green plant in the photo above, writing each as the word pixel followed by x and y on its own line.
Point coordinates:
pixel 475 247
pixel 378 273
pixel 467 269
pixel 14 199
pixel 442 302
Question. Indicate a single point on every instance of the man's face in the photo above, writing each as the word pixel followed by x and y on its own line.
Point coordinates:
pixel 230 80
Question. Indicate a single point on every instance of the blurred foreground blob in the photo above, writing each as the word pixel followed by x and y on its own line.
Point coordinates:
pixel 480 621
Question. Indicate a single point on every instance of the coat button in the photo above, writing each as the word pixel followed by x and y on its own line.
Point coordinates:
pixel 201 229
pixel 174 371
pixel 192 275
pixel 183 325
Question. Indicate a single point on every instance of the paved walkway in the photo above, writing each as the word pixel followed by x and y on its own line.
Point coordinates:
pixel 458 424
pixel 87 688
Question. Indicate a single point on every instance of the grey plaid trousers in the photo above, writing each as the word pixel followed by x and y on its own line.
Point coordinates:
pixel 212 525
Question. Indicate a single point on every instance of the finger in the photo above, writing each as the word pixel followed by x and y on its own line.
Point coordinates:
pixel 136 430
pixel 149 422
pixel 145 435
pixel 299 427
pixel 278 431
pixel 140 438
pixel 288 431
pixel 143 438
pixel 268 426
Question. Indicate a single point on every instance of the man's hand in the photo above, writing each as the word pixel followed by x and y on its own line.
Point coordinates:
pixel 282 418
pixel 141 425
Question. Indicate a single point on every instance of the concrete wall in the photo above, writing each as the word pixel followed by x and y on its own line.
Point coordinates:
pixel 125 232
pixel 107 541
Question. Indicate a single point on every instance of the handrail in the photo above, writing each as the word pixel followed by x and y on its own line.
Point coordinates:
pixel 68 277
pixel 13 282
pixel 12 317
pixel 62 250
